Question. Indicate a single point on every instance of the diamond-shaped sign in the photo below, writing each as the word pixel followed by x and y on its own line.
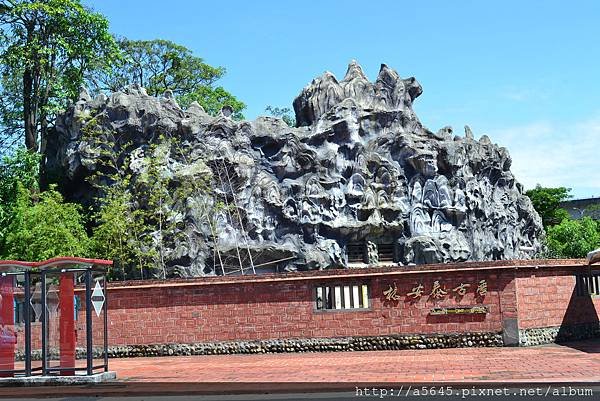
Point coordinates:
pixel 98 298
pixel 36 302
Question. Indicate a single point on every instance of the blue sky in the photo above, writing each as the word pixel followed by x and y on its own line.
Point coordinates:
pixel 527 73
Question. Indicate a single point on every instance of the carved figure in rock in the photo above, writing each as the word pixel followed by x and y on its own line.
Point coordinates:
pixel 372 253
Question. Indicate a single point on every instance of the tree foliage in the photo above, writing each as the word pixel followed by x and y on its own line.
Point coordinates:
pixel 546 202
pixel 119 230
pixel 45 226
pixel 11 114
pixel 573 238
pixel 139 222
pixel 284 113
pixel 18 169
pixel 160 66
pixel 119 235
pixel 47 48
pixel 565 237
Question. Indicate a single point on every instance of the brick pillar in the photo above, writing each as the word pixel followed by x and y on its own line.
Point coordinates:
pixel 68 338
pixel 508 308
pixel 8 336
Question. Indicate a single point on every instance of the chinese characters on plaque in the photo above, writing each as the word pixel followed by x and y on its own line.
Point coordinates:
pixel 416 292
pixel 438 291
pixel 461 290
pixel 391 294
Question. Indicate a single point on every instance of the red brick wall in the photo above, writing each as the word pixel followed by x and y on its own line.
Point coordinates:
pixel 250 311
pixel 282 306
pixel 548 299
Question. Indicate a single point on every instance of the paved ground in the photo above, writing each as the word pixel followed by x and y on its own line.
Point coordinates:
pixel 575 362
pixel 549 367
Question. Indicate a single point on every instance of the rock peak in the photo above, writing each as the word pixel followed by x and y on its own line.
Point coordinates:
pixel 354 71
pixel 388 93
pixel 387 75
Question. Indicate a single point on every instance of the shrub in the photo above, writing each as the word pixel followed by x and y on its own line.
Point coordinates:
pixel 573 238
pixel 45 227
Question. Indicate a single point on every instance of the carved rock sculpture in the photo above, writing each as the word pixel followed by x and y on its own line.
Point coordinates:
pixel 359 168
pixel 593 257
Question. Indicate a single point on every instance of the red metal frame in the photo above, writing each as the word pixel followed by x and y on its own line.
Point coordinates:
pixel 55 262
pixel 67 327
pixel 8 337
pixel 68 337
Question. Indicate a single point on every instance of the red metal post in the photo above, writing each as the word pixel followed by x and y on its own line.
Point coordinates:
pixel 68 339
pixel 8 334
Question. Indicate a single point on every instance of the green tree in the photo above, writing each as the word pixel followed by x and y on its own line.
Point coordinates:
pixel 546 202
pixel 44 227
pixel 119 229
pixel 21 168
pixel 573 238
pixel 284 113
pixel 154 183
pixel 139 222
pixel 160 66
pixel 120 235
pixel 47 47
pixel 11 114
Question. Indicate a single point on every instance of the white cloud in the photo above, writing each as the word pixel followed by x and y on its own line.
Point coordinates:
pixel 518 94
pixel 555 154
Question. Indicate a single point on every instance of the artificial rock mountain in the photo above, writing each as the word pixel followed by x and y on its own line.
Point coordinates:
pixel 358 172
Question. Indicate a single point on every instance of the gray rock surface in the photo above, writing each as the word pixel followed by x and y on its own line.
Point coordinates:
pixel 593 257
pixel 359 168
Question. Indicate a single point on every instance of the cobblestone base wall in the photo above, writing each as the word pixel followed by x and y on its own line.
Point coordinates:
pixel 302 345
pixel 314 345
pixel 548 335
